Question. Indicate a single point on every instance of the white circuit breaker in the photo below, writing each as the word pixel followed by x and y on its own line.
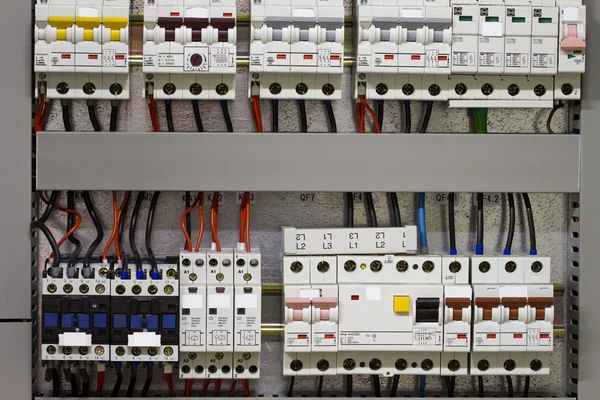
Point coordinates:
pixel 457 329
pixel 190 49
pixel 82 49
pixel 297 49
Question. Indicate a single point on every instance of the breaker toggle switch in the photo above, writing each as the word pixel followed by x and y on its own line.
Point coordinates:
pixel 427 310
pixel 572 42
pixel 297 310
pixel 325 309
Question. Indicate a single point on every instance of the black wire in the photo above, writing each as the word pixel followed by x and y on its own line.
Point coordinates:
pixel 70 223
pixel 97 224
pixel 451 226
pixel 303 119
pixel 148 382
pixel 480 386
pixel 427 117
pixel 118 382
pixel 395 209
pixel 132 381
pixel 290 392
pixel 394 388
pixel 372 216
pixel 227 116
pixel 114 115
pixel 511 224
pixel 348 385
pixel 380 114
pixel 453 382
pixel 132 227
pixel 532 241
pixel 330 116
pixel 149 224
pixel 480 219
pixel 66 115
pixel 526 386
pixel 320 386
pixel 449 386
pixel 275 119
pixel 349 222
pixel 197 117
pixel 407 121
pixel 85 382
pixel 376 385
pixel 55 249
pixel 509 384
pixel 55 382
pixel 169 112
pixel 121 228
pixel 94 117
pixel 71 378
pixel 50 207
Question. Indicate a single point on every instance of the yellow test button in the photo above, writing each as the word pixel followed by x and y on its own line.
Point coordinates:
pixel 401 304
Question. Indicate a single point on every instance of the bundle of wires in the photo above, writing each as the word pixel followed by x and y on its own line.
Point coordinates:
pixel 214 221
pixel 185 226
pixel 99 230
pixel 153 113
pixel 118 217
pixel 244 237
pixel 139 271
pixel 154 273
pixel 361 106
pixel 55 255
pixel 42 112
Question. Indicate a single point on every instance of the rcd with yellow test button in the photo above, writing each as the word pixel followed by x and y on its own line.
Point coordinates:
pixel 81 49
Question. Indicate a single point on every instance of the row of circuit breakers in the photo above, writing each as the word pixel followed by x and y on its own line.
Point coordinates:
pixel 513 53
pixel 353 301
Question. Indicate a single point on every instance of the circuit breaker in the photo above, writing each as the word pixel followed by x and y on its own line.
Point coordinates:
pixel 144 310
pixel 76 312
pixel 82 49
pixel 296 49
pixel 190 49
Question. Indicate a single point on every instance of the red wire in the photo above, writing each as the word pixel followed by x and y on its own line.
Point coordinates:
pixel 246 385
pixel 200 196
pixel 214 220
pixel 188 240
pixel 257 113
pixel 218 387
pixel 169 379
pixel 232 391
pixel 153 113
pixel 205 388
pixel 73 229
pixel 100 384
pixel 247 222
pixel 370 110
pixel 39 114
pixel 188 387
pixel 119 215
pixel 242 218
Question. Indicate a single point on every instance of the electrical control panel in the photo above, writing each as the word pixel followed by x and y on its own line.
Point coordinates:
pixel 505 53
pixel 190 49
pixel 76 312
pixel 144 311
pixel 297 49
pixel 82 49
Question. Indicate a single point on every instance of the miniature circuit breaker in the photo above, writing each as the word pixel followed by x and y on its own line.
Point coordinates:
pixel 76 311
pixel 82 49
pixel 144 311
pixel 297 49
pixel 190 49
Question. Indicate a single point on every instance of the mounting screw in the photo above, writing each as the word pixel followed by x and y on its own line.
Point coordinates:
pixel 42 76
pixel 152 351
pixel 460 89
pixel 83 288
pixel 362 76
pixel 136 351
pixel 401 266
pixel 301 89
pixel 484 267
pixel 323 266
pixel 120 289
pixel 434 90
pixel 349 265
pixel 52 288
pixel 169 289
pixel 328 89
pixel 222 89
pixel 168 351
pixel 195 89
pixel 454 267
pixel 537 266
pixel 68 288
pixel 136 289
pixel 99 350
pixel 539 90
pixel 246 356
pixel 296 266
pixel 62 88
pixel 51 350
pixel 487 89
pixel 513 89
pixel 152 289
pixel 275 88
pixel 115 89
pixel 535 365
pixel 219 356
pixel 255 75
pixel 120 351
pixel 192 356
pixel 169 89
pixel 408 89
pixel 381 89
pixel 100 288
pixel 67 351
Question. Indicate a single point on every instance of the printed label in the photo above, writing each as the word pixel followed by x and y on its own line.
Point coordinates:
pixel 516 60
pixel 490 59
pixel 541 60
pixel 463 59
pixel 256 61
pixel 426 336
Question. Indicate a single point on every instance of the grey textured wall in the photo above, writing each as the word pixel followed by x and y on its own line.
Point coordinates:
pixel 272 210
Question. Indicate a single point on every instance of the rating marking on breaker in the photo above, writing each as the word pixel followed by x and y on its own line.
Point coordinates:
pixel 426 336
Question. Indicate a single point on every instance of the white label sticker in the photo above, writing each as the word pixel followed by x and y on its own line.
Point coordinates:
pixel 191 301
pixel 219 301
pixel 246 301
pixel 570 14
pixel 373 293
pixel 492 29
pixel 310 293
pixel 414 13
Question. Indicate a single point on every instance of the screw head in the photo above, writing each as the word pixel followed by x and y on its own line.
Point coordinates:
pixel 195 89
pixel 152 289
pixel 136 289
pixel 168 351
pixel 510 267
pixel 152 351
pixel 349 364
pixel 239 369
pixel 401 364
pixel 301 89
pixel 240 262
pixel 169 289
pixel 487 89
pixel 225 369
pixel 350 265
pixel 120 351
pixel 513 89
pixel 376 266
pixel 120 289
pixel 67 351
pixel 68 288
pixel 219 356
pixel 322 365
pixel 247 277
pixel 566 89
pixel 408 89
pixel 149 76
pixel 483 365
pixel 186 262
pixel 428 266
pixel 51 350
pixel 169 89
pixel 83 288
pixel 426 364
pixel 103 272
pixel 89 88
pixel 222 89
pixel 460 89
pixel 213 262
pixel 193 277
pixel 192 356
pixel 115 89
pixel 537 266
pixel 171 273
pixel 212 369
pixel 42 76
pixel 52 288
pixel 375 364
pixel 328 89
pixel 246 356
pixel 434 90
pixel 62 88
pixel 296 365
pixel 185 369
pixel 255 75
pixel 150 2
pixel 535 365
pixel 99 350
pixel 323 266
pixel 296 266
pixel 401 266
pixel 83 350
pixel 381 89
pixel 136 351
pixel 484 266
pixel 199 369
pixel 510 365
pixel 220 277
pixel 364 2
pixel 454 267
pixel 453 365
pixel 362 76
pixel 539 90
pixel 253 369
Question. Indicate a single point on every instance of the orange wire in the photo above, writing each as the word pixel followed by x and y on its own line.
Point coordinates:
pixel 214 220
pixel 370 110
pixel 246 385
pixel 360 114
pixel 257 113
pixel 169 379
pixel 153 113
pixel 119 215
pixel 188 387
pixel 188 239
pixel 247 222
pixel 115 227
pixel 242 218
pixel 201 217
pixel 73 229
pixel 39 113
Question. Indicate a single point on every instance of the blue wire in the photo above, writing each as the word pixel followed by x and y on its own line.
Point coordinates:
pixel 422 223
pixel 422 386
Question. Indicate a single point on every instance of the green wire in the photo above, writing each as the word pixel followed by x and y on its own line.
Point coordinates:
pixel 480 115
